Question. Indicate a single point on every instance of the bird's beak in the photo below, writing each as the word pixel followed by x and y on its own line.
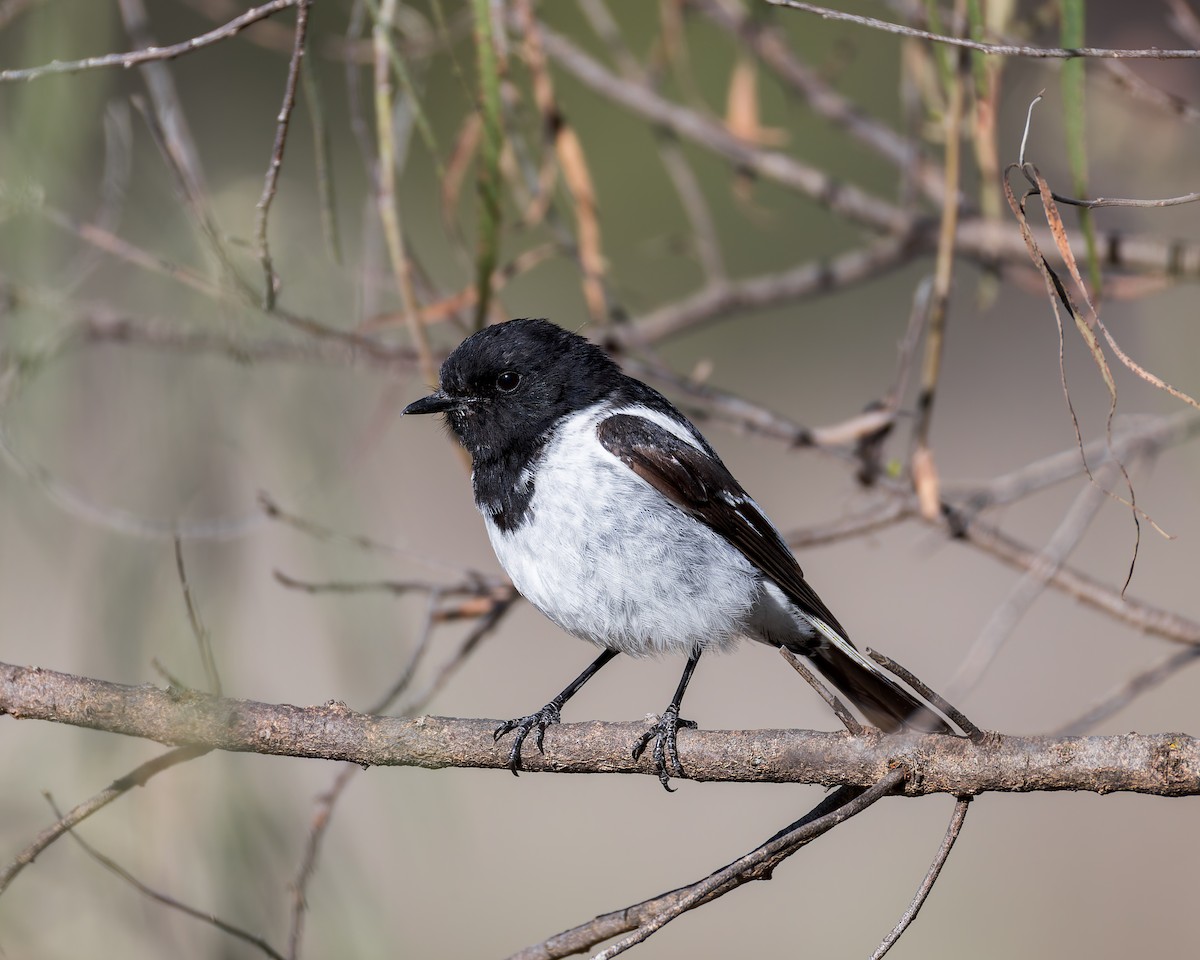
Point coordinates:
pixel 434 403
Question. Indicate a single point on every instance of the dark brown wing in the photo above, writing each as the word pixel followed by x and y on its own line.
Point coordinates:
pixel 699 484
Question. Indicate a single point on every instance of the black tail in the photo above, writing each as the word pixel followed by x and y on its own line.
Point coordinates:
pixel 883 701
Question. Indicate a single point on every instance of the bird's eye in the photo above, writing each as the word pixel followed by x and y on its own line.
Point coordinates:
pixel 508 381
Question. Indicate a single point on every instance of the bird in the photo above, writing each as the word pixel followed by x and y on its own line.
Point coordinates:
pixel 615 518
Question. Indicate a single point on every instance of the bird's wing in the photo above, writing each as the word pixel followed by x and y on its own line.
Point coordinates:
pixel 700 485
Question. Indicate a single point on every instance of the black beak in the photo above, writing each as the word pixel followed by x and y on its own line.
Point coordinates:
pixel 434 403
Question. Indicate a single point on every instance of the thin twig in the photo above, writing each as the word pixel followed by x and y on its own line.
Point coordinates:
pixel 773 852
pixel 1125 693
pixel 922 465
pixel 271 181
pixel 719 298
pixel 386 203
pixel 1023 594
pixel 323 814
pixel 616 922
pixel 839 196
pixel 1133 436
pixel 999 49
pixel 135 778
pixel 203 639
pixel 771 44
pixel 703 230
pixel 975 734
pixel 202 915
pixel 853 727
pixel 885 514
pixel 150 54
pixel 935 869
pixel 274 511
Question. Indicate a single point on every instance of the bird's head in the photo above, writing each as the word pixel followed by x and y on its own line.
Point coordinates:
pixel 507 385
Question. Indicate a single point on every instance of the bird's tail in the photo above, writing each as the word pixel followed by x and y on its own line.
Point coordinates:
pixel 880 698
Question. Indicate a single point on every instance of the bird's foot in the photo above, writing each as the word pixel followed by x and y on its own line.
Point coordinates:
pixel 535 721
pixel 665 753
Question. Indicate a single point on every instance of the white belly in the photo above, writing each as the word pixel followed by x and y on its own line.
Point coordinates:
pixel 689 588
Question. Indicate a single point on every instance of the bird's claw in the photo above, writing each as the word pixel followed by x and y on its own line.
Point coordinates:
pixel 666 752
pixel 524 726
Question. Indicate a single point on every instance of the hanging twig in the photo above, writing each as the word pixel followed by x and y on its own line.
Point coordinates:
pixel 935 869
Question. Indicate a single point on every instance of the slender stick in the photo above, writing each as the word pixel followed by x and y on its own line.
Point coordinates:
pixel 935 869
pixel 282 122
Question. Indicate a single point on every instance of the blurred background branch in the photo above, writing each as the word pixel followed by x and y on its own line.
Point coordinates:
pixel 770 210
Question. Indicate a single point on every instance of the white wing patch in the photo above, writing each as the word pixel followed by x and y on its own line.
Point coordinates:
pixel 846 647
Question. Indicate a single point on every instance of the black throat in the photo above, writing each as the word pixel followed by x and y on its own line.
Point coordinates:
pixel 504 485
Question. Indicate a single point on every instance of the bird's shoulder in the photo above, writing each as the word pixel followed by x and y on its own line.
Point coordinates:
pixel 669 454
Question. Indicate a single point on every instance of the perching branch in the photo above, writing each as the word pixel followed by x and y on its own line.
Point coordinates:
pixel 1158 764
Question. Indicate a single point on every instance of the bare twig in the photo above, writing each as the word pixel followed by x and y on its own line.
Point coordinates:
pixel 282 121
pixel 151 54
pixel 935 869
pixel 765 858
pixel 886 514
pixel 203 916
pixel 703 228
pixel 853 727
pixel 771 44
pixel 923 468
pixel 616 922
pixel 203 640
pixel 323 814
pixel 998 49
pixel 720 298
pixel 975 734
pixel 136 778
pixel 1125 693
pixel 385 189
pixel 841 197
pixel 168 125
pixel 1022 595
pixel 1087 589
pixel 1133 436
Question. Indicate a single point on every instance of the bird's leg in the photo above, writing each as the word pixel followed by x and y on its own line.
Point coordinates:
pixel 550 713
pixel 666 752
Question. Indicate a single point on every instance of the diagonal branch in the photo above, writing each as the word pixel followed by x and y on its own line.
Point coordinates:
pixel 760 862
pixel 79 813
pixel 151 54
pixel 996 49
pixel 756 865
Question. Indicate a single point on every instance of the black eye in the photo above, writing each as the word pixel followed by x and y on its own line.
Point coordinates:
pixel 508 381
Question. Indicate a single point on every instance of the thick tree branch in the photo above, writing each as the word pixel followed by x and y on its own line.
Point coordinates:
pixel 1159 764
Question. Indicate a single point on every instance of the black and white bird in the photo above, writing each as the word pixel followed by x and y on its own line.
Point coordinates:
pixel 616 519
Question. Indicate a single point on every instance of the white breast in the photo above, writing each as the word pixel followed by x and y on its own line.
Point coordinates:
pixel 641 576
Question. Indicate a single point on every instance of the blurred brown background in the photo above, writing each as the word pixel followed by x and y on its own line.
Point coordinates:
pixel 108 444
